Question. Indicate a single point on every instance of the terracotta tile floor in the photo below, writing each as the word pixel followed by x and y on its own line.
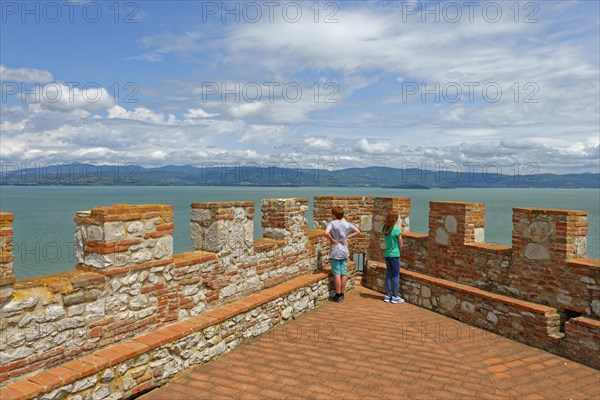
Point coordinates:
pixel 364 348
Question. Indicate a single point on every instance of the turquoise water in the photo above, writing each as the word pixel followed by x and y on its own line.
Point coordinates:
pixel 43 227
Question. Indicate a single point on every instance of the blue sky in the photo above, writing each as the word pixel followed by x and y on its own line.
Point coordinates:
pixel 344 83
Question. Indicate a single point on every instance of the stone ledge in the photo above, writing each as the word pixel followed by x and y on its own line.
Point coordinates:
pixel 7 280
pixel 123 212
pixel 266 244
pixel 456 203
pixel 71 371
pixel 84 276
pixel 5 216
pixel 415 235
pixel 222 204
pixel 490 247
pixel 315 233
pixel 192 257
pixel 124 270
pixel 585 321
pixel 340 197
pixel 555 211
pixel 520 304
pixel 63 282
pixel 117 209
pixel 584 262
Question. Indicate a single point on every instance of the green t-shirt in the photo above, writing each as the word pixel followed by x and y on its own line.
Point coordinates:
pixel 391 243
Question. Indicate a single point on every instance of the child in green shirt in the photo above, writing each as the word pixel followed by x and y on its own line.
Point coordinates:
pixel 393 243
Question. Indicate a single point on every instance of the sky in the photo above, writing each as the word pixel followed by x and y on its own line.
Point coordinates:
pixel 317 84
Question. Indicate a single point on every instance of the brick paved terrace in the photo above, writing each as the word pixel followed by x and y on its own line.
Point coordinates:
pixel 365 348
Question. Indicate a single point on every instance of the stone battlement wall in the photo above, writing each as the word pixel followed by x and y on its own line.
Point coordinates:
pixel 546 263
pixel 128 281
pixel 542 290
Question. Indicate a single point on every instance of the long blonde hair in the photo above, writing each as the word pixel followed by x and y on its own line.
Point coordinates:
pixel 390 221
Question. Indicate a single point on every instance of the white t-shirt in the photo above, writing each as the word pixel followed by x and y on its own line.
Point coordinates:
pixel 339 229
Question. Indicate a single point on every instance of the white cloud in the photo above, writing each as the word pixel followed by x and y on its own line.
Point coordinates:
pixel 370 38
pixel 364 146
pixel 247 110
pixel 60 96
pixel 12 149
pixel 195 113
pixel 321 143
pixel 24 75
pixel 93 153
pixel 158 155
pixel 370 54
pixel 264 134
pixel 53 136
pixel 10 126
pixel 142 114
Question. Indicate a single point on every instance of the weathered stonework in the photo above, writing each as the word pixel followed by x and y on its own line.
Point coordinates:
pixel 381 206
pixel 247 265
pixel 7 273
pixel 129 282
pixel 546 266
pixel 134 314
pixel 115 239
pixel 358 210
pixel 546 263
pixel 124 370
pixel 545 242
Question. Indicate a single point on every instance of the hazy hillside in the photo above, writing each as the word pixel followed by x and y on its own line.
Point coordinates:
pixel 250 175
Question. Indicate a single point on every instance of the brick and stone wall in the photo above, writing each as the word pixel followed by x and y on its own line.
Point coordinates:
pixel 128 281
pixel 453 225
pixel 124 238
pixel 545 267
pixel 546 264
pixel 132 366
pixel 544 243
pixel 358 211
pixel 7 273
pixel 367 214
pixel 156 365
pixel 381 206
pixel 246 265
pixel 128 284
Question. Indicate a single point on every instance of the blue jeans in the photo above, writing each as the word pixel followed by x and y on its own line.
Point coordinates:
pixel 393 274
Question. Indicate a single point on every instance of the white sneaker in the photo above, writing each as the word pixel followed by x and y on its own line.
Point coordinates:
pixel 397 300
pixel 387 299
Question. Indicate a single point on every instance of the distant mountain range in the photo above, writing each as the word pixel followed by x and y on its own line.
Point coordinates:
pixel 255 175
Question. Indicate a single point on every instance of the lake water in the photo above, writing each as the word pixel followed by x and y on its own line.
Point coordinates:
pixel 43 226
